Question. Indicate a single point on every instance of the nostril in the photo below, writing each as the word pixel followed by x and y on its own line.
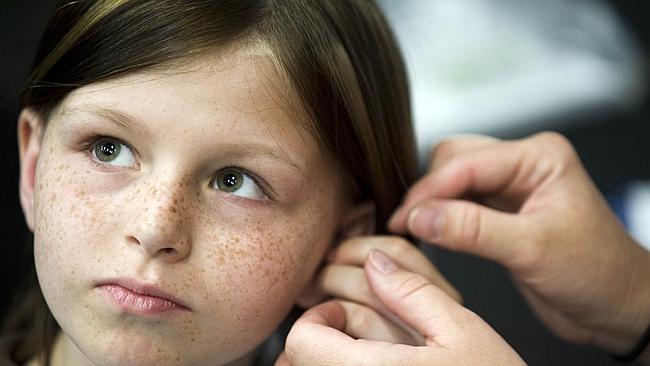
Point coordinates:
pixel 168 250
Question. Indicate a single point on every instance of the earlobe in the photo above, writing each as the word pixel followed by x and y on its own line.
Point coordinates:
pixel 30 134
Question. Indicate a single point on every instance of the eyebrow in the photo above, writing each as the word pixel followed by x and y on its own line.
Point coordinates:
pixel 121 119
pixel 240 150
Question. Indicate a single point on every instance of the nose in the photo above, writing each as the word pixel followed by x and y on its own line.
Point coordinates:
pixel 160 226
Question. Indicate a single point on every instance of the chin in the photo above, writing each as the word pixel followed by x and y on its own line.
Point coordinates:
pixel 143 350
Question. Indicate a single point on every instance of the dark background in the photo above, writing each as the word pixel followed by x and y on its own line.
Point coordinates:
pixel 614 145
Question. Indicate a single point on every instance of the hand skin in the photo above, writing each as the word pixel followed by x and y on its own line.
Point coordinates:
pixel 530 205
pixel 343 278
pixel 328 334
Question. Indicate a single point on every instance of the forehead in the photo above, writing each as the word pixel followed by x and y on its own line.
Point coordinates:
pixel 230 96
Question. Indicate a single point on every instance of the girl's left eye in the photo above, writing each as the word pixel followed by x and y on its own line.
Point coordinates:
pixel 238 183
pixel 113 152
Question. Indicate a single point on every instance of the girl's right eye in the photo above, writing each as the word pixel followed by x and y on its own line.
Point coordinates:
pixel 113 152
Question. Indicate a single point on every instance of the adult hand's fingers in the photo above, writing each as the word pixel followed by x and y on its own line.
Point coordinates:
pixel 317 338
pixel 454 146
pixel 453 334
pixel 472 228
pixel 349 283
pixel 282 360
pixel 365 323
pixel 491 170
pixel 355 251
pixel 412 298
pixel 511 170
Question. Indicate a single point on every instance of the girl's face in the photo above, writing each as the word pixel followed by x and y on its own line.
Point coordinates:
pixel 194 184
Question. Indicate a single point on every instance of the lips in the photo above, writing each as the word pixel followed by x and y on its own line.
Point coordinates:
pixel 135 297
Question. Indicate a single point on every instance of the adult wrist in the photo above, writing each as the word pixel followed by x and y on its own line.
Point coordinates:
pixel 640 352
pixel 631 321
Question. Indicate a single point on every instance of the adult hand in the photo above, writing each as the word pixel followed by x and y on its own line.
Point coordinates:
pixel 530 205
pixel 329 334
pixel 343 278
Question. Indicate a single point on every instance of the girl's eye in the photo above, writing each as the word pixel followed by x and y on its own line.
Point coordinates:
pixel 113 152
pixel 234 181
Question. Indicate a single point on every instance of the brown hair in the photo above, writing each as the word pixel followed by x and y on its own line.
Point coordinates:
pixel 339 57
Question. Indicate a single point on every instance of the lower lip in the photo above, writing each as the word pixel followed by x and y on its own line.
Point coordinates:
pixel 136 303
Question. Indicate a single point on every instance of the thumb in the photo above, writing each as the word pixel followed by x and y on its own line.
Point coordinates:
pixel 413 299
pixel 471 228
pixel 454 335
pixel 282 360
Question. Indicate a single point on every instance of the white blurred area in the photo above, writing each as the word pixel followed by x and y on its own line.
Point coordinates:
pixel 482 66
pixel 638 211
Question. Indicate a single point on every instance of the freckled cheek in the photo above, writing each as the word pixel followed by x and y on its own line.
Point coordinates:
pixel 267 266
pixel 69 221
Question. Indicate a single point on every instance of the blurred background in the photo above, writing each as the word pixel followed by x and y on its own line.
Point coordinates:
pixel 507 68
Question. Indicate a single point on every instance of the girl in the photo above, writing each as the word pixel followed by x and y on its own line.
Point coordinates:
pixel 185 166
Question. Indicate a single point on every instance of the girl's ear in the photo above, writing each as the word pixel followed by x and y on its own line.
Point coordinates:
pixel 358 221
pixel 30 134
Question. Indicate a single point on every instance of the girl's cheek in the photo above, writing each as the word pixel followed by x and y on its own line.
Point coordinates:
pixel 69 221
pixel 265 259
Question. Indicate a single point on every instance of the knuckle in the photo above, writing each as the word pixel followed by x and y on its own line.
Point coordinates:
pixel 556 144
pixel 347 283
pixel 412 285
pixel 293 341
pixel 357 289
pixel 534 253
pixel 470 230
pixel 447 145
pixel 359 319
pixel 467 319
pixel 444 149
pixel 399 247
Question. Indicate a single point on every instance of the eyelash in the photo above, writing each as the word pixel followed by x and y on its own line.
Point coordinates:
pixel 261 183
pixel 90 142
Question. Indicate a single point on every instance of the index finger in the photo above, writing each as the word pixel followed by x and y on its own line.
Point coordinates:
pixel 490 170
pixel 456 145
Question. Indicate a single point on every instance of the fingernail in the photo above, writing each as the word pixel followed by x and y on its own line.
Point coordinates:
pixel 382 262
pixel 426 223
